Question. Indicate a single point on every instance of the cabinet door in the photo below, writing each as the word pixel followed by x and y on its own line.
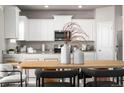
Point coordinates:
pixel 50 30
pixel 44 26
pixel 23 28
pixel 105 41
pixel 60 21
pixel 89 56
pixel 11 18
pixel 87 26
pixel 41 30
pixel 35 30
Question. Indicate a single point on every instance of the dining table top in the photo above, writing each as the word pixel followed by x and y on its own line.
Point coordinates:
pixel 86 64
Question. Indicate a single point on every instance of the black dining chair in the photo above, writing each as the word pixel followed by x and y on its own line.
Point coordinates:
pixel 71 74
pixel 80 77
pixel 97 73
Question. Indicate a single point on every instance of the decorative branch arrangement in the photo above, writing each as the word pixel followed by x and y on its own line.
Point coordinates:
pixel 77 33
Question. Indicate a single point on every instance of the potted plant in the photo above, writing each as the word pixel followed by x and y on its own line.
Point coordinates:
pixel 11 51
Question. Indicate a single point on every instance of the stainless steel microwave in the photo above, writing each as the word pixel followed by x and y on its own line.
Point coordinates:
pixel 62 36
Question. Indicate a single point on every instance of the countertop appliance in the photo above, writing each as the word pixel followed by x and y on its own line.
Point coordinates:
pixel 89 48
pixel 43 47
pixel 57 48
pixel 30 50
pixel 62 36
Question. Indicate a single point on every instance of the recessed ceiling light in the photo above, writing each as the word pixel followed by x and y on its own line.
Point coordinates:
pixel 80 6
pixel 46 6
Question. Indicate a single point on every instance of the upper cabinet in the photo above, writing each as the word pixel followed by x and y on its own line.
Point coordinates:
pixel 44 29
pixel 41 30
pixel 60 21
pixel 11 18
pixel 87 27
pixel 35 30
pixel 23 28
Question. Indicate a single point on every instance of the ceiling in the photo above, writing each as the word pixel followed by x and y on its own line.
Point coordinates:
pixel 60 7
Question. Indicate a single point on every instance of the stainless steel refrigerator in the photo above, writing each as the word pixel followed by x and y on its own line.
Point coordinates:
pixel 119 45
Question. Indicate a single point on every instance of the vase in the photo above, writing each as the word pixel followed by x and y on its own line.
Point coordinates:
pixel 78 57
pixel 65 54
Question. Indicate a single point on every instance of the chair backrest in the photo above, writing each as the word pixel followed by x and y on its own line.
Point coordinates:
pixel 5 67
pixel 56 74
pixel 104 73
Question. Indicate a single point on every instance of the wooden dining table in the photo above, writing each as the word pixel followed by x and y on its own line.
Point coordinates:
pixel 57 64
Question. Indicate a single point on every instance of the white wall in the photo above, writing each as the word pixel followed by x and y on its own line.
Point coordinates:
pixel 105 14
pixel 2 46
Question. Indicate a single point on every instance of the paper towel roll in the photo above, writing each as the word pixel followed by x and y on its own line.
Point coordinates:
pixel 65 54
pixel 78 57
pixel 43 47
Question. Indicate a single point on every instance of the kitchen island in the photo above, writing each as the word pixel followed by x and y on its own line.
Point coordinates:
pixel 26 57
pixel 88 55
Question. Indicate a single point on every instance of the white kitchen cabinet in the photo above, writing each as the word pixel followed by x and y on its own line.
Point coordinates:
pixel 50 30
pixel 88 26
pixel 47 31
pixel 11 18
pixel 105 41
pixel 60 21
pixel 35 30
pixel 23 28
pixel 41 30
pixel 89 56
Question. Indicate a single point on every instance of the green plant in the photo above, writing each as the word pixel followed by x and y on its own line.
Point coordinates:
pixel 11 50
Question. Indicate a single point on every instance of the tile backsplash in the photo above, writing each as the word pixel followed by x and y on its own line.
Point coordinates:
pixel 50 45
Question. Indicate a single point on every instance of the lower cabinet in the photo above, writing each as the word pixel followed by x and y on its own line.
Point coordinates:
pixel 89 56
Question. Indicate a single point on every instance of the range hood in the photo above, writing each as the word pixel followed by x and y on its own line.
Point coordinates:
pixel 61 20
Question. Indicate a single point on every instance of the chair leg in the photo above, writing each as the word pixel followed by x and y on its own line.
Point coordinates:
pixel 117 80
pixel 71 81
pixel 38 82
pixel 25 83
pixel 42 82
pixel 21 84
pixel 78 81
pixel 84 80
pixel 74 81
pixel 95 81
pixel 121 80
